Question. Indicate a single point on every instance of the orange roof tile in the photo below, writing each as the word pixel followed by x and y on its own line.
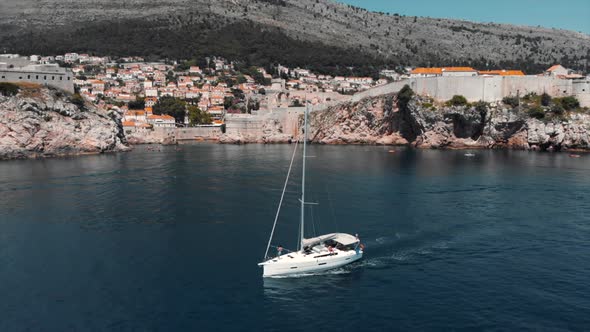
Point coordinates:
pixel 422 70
pixel 128 123
pixel 457 69
pixel 161 117
pixel 554 67
pixel 136 113
pixel 502 72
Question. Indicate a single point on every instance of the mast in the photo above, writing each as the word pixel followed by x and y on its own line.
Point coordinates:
pixel 301 231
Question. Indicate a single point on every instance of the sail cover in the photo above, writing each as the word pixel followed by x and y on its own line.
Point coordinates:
pixel 342 238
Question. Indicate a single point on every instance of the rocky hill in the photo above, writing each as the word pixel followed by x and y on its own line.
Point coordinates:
pixel 380 120
pixel 421 123
pixel 317 33
pixel 42 122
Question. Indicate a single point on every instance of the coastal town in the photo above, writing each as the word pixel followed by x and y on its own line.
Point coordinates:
pixel 218 89
pixel 156 97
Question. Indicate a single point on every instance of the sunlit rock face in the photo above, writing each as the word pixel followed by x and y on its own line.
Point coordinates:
pixel 42 122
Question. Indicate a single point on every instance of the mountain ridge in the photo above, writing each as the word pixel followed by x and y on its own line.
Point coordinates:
pixel 330 27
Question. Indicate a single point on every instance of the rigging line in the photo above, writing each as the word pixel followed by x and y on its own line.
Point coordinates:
pixel 281 201
pixel 312 221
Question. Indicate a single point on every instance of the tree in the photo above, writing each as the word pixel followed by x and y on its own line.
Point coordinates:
pixel 196 116
pixel 241 79
pixel 545 99
pixel 228 102
pixel 404 96
pixel 8 89
pixel 171 106
pixel 170 76
pixel 137 104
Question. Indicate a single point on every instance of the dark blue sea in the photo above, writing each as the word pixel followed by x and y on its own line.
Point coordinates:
pixel 169 240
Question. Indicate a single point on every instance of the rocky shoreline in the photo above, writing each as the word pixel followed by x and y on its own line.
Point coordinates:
pixel 380 121
pixel 41 122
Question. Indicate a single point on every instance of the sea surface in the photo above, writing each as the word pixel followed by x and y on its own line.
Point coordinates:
pixel 168 239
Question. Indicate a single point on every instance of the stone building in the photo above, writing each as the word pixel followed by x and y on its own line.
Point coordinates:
pixel 16 69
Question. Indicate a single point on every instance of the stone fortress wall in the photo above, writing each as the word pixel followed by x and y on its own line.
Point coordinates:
pixel 486 88
pixel 15 69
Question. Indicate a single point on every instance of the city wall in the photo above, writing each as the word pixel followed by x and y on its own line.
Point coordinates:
pixel 486 88
pixel 171 135
pixel 254 125
pixel 49 75
pixel 198 133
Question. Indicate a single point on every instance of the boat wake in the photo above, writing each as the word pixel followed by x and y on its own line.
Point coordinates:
pixel 381 253
pixel 387 255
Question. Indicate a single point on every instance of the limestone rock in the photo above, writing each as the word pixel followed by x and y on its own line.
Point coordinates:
pixel 41 122
pixel 377 120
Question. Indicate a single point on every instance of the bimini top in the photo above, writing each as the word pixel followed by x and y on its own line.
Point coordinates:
pixel 342 238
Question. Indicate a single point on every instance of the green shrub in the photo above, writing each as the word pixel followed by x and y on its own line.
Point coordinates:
pixel 457 100
pixel 77 100
pixel 536 112
pixel 9 89
pixel 511 101
pixel 569 103
pixel 481 106
pixel 531 97
pixel 557 109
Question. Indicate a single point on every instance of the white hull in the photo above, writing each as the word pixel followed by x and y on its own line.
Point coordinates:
pixel 300 263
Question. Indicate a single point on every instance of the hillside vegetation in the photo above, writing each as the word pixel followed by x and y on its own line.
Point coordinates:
pixel 320 34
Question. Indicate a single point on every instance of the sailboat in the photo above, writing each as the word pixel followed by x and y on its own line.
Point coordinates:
pixel 317 254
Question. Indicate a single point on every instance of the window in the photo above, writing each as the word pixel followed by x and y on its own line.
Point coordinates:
pixel 53 78
pixel 20 77
pixel 61 78
pixel 37 77
pixel 28 77
pixel 3 76
pixel 45 77
pixel 68 78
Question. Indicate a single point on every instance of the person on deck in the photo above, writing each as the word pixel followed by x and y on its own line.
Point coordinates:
pixel 279 250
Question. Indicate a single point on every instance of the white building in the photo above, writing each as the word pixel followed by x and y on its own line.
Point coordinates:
pixel 71 57
pixel 161 121
pixel 557 70
pixel 459 71
pixel 15 70
pixel 151 92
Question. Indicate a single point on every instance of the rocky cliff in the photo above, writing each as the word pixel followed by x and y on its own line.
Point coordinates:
pixel 43 122
pixel 379 120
